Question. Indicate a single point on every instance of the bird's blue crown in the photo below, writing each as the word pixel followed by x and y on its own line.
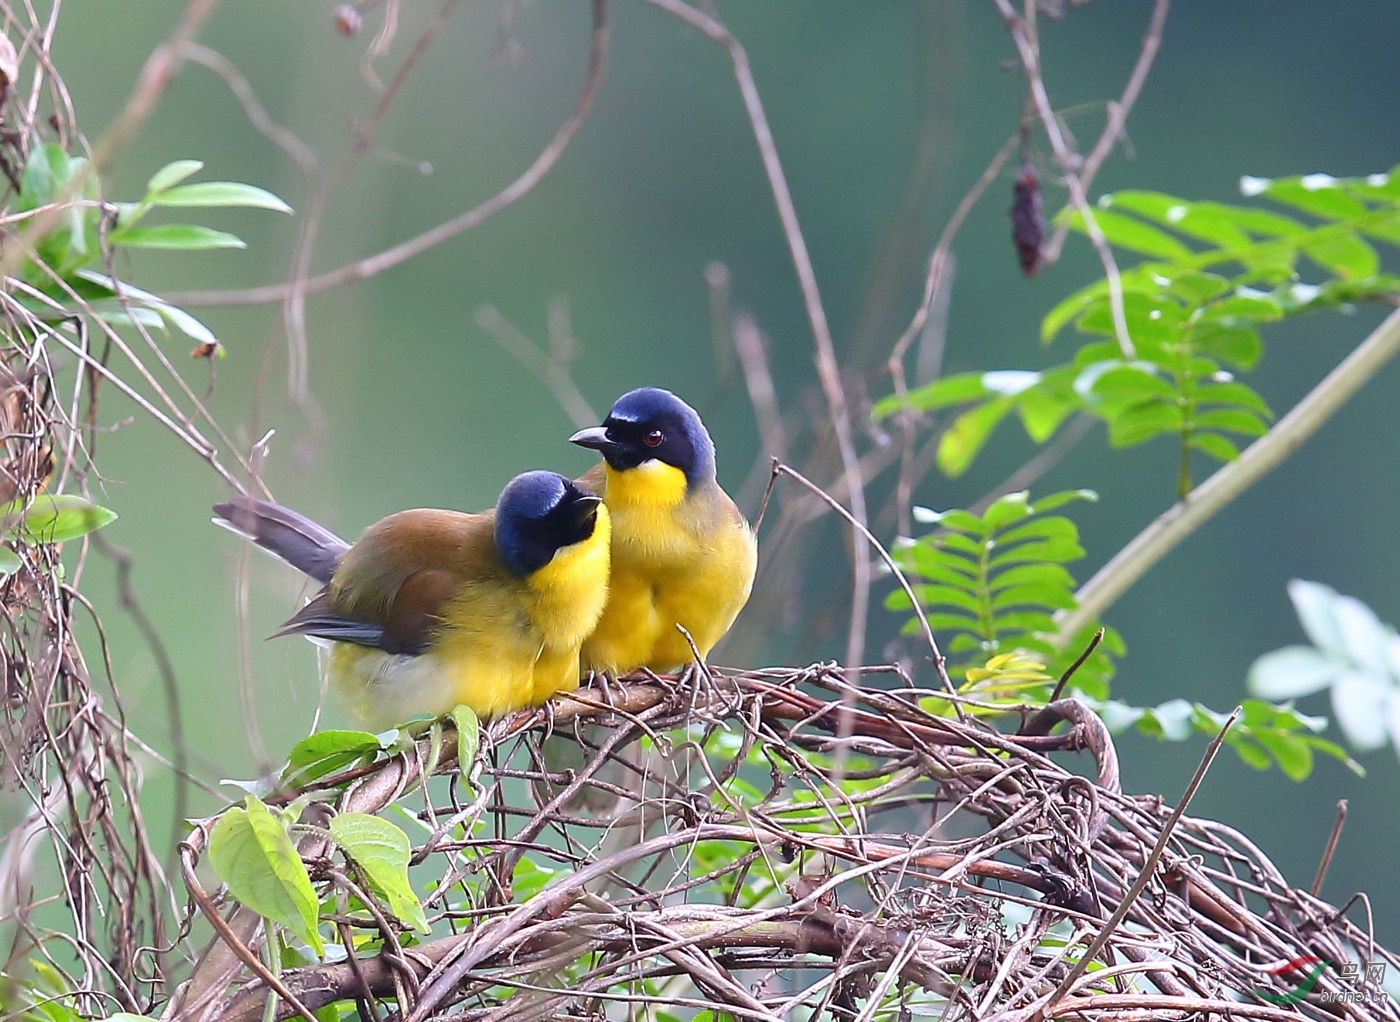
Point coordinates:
pixel 537 514
pixel 684 443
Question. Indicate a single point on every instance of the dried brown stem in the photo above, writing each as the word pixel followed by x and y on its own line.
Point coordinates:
pixel 828 368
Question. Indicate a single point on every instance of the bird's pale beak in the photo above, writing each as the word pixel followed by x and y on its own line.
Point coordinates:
pixel 596 438
pixel 584 508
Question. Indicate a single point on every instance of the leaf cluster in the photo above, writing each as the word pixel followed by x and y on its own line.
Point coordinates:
pixel 68 263
pixel 1266 733
pixel 1353 655
pixel 991 584
pixel 1213 275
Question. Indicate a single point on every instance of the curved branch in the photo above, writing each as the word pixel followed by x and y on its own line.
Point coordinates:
pixel 828 369
pixel 406 250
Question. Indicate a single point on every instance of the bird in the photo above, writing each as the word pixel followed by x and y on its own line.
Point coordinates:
pixel 431 609
pixel 682 553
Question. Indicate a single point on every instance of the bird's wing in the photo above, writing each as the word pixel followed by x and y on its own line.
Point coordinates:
pixel 595 479
pixel 392 587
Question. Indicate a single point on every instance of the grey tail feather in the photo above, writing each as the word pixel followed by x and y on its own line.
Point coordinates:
pixel 298 540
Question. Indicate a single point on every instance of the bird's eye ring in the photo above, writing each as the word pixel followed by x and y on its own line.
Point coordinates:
pixel 654 438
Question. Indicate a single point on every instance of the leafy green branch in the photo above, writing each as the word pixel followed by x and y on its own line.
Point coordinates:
pixel 67 260
pixel 994 583
pixel 1194 314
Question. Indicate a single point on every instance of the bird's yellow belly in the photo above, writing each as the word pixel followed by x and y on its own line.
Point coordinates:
pixel 383 689
pixel 647 601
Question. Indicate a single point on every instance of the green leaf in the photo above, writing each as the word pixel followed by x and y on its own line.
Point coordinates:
pixel 1026 574
pixel 1117 387
pixel 1196 287
pixel 1010 507
pixel 956 541
pixel 1067 310
pixel 178 318
pixel 1056 500
pixel 1043 550
pixel 1236 345
pixel 249 851
pixel 9 562
pixel 382 851
pixel 942 623
pixel 951 390
pixel 1026 621
pixel 45 173
pixel 172 174
pixel 529 877
pixel 1343 252
pixel 1042 410
pixel 965 438
pixel 947 596
pixel 1137 423
pixel 1154 320
pixel 956 518
pixel 1218 447
pixel 1246 307
pixel 1130 233
pixel 1235 420
pixel 180 237
pixel 468 726
pixel 1052 596
pixel 925 557
pixel 1250 753
pixel 1291 672
pixel 1198 220
pixel 1317 194
pixel 1232 394
pixel 53 518
pixel 220 194
pixel 131 316
pixel 325 752
pixel 1292 752
pixel 1041 528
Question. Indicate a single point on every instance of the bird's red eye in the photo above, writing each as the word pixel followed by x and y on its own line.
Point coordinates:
pixel 654 438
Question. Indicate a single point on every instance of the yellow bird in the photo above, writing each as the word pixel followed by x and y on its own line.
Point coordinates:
pixel 433 609
pixel 681 551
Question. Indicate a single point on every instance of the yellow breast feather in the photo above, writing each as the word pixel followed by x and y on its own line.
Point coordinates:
pixel 677 557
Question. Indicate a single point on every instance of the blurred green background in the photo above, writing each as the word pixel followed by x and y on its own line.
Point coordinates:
pixel 885 114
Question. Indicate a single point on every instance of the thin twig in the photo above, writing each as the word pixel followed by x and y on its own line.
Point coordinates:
pixel 1145 876
pixel 1117 118
pixel 545 367
pixel 1327 852
pixel 179 751
pixel 1078 663
pixel 938 659
pixel 256 113
pixel 405 250
pixel 1028 47
pixel 828 369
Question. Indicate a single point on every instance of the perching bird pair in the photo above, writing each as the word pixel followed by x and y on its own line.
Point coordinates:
pixel 500 610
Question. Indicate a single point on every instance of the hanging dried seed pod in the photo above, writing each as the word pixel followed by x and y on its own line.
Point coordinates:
pixel 1027 219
